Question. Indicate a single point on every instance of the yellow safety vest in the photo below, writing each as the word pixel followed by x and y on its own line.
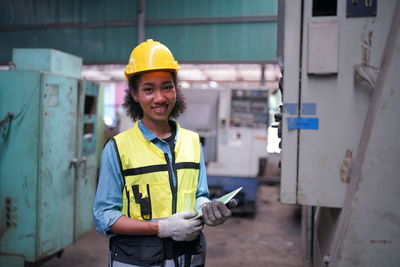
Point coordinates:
pixel 149 192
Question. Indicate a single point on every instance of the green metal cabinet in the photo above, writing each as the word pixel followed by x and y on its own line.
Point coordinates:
pixel 47 162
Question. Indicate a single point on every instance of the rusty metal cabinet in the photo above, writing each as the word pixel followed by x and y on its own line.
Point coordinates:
pixel 47 159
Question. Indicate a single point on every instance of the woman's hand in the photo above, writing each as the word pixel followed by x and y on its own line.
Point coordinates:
pixel 180 226
pixel 216 212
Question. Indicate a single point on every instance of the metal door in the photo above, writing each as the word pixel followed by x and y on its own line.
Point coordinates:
pixel 19 144
pixel 56 159
pixel 86 167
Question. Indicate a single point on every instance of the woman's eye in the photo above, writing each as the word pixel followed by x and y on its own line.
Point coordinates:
pixel 168 87
pixel 147 90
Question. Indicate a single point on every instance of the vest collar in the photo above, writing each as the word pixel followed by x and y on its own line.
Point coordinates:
pixel 149 135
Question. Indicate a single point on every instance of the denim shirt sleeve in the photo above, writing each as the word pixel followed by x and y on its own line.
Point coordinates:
pixel 108 201
pixel 202 187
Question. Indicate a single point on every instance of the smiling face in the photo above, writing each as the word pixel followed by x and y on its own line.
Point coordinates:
pixel 156 95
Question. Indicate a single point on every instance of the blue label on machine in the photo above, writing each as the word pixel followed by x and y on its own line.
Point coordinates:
pixel 306 108
pixel 309 109
pixel 303 123
pixel 290 108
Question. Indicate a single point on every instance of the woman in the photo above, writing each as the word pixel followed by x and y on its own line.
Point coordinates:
pixel 152 176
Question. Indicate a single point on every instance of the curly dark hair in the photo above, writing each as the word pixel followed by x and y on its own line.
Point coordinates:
pixel 133 108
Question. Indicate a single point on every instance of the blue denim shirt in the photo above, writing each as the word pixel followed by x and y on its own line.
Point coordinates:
pixel 107 205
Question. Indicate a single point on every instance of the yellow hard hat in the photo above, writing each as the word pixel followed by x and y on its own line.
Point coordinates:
pixel 150 55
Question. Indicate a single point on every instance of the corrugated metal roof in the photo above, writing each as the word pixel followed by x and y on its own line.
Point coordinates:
pixel 104 31
pixel 209 8
pixel 62 11
pixel 253 42
pixel 94 45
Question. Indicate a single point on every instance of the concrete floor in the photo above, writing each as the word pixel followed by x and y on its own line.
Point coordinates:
pixel 271 238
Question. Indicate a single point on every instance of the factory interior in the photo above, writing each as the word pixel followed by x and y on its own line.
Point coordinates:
pixel 294 102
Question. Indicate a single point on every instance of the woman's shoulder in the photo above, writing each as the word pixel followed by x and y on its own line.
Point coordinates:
pixel 189 135
pixel 185 131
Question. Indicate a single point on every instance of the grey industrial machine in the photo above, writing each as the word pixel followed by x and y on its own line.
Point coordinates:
pixel 340 128
pixel 233 124
pixel 201 116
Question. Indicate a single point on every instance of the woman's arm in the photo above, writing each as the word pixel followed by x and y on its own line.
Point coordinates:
pixel 107 205
pixel 129 226
pixel 202 187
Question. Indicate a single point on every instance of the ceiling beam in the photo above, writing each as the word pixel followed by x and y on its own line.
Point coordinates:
pixel 130 23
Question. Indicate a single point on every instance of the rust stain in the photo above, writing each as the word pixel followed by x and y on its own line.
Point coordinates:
pixel 346 166
pixel 261 138
pixel 381 242
pixel 366 43
pixel 323 161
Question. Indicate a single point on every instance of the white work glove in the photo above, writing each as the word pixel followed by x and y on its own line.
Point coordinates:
pixel 216 212
pixel 180 226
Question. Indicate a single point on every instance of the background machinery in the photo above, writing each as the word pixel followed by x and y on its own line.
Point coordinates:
pixel 340 135
pixel 233 125
pixel 48 160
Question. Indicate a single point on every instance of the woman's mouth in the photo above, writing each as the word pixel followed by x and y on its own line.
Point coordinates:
pixel 160 109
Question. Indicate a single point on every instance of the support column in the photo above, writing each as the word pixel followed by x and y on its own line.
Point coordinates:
pixel 141 20
pixel 262 80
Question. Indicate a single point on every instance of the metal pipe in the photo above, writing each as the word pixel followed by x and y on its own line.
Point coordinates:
pixel 127 23
pixel 262 80
pixel 141 20
pixel 216 20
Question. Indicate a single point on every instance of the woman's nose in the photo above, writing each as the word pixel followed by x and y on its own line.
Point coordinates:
pixel 159 96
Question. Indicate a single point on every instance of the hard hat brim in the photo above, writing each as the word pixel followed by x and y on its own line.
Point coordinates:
pixel 127 75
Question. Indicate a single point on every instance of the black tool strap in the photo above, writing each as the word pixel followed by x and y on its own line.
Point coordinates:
pixel 144 202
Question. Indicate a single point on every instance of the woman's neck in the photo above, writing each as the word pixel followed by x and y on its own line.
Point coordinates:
pixel 160 128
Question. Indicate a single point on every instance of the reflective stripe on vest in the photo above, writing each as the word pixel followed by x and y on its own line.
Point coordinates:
pixel 149 192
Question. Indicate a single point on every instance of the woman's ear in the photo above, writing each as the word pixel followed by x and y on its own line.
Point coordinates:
pixel 134 96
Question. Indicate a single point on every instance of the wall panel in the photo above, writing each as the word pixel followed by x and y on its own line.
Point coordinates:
pixel 104 31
